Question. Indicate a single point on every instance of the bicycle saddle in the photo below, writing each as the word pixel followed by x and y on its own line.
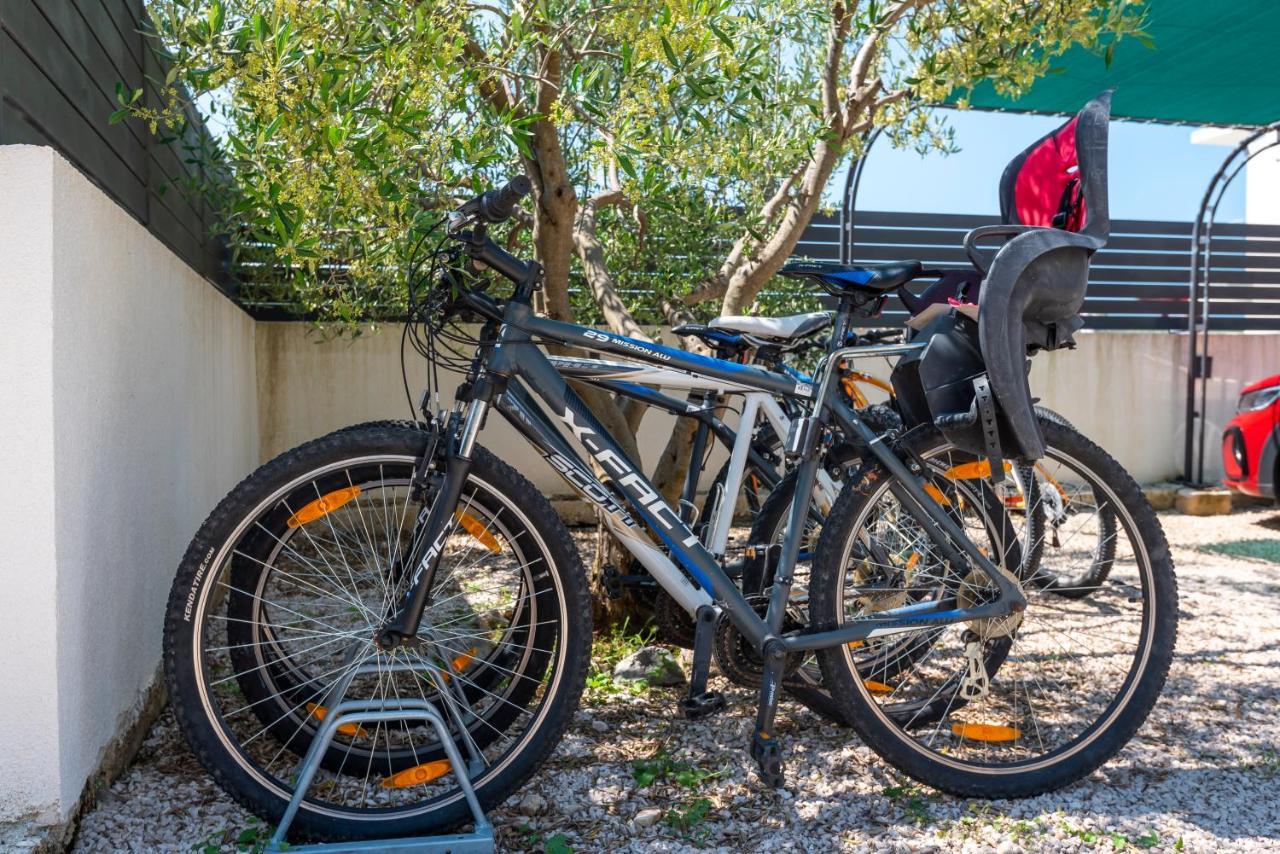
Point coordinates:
pixel 720 340
pixel 859 278
pixel 785 328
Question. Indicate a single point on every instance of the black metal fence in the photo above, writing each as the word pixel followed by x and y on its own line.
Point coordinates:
pixel 1139 281
pixel 60 63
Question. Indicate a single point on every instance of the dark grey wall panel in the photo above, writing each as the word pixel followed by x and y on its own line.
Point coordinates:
pixel 60 61
pixel 1139 281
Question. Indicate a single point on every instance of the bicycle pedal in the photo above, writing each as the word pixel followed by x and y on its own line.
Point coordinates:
pixel 611 581
pixel 768 756
pixel 702 705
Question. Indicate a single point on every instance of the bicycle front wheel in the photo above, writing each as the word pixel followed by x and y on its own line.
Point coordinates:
pixel 1008 707
pixel 272 621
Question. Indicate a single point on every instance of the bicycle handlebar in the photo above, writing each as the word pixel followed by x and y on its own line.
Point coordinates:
pixel 496 206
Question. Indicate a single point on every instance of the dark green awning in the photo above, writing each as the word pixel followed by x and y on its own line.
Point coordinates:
pixel 1215 62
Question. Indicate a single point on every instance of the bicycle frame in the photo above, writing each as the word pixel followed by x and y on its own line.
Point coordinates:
pixel 515 363
pixel 626 379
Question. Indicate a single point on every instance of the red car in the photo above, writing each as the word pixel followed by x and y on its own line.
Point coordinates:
pixel 1250 442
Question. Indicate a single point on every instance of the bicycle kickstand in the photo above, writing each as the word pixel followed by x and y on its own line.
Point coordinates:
pixel 765 749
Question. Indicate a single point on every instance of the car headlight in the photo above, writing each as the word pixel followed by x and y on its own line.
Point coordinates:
pixel 1261 399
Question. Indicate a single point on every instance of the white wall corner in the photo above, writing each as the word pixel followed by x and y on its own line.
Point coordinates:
pixel 29 784
pixel 131 409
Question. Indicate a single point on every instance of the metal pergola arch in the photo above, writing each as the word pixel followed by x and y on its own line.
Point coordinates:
pixel 1198 298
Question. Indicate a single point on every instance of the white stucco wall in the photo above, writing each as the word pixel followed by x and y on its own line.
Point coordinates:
pixel 309 384
pixel 131 408
pixel 28 665
pixel 1122 389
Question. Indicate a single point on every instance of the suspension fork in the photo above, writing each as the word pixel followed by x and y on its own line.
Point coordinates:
pixel 431 534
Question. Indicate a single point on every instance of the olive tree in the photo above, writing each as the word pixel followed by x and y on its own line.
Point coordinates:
pixel 677 149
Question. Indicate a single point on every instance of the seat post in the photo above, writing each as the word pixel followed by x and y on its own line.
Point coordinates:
pixel 840 326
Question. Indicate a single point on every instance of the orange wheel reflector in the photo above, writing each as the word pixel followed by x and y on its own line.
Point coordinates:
pixel 972 471
pixel 460 663
pixel 936 495
pixel 913 560
pixel 877 687
pixel 1014 502
pixel 318 712
pixel 417 775
pixel 986 732
pixel 322 506
pixel 857 644
pixel 477 529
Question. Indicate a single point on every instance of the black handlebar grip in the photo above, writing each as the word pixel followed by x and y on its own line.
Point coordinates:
pixel 497 205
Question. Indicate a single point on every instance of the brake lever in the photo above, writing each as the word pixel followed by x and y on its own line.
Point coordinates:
pixel 458 220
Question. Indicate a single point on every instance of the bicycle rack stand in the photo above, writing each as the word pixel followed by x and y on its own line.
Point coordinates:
pixel 478 841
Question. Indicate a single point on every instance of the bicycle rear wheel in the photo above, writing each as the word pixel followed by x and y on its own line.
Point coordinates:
pixel 1059 691
pixel 275 608
pixel 963 486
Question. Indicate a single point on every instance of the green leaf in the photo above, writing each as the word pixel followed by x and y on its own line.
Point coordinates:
pixel 669 51
pixel 1109 54
pixel 117 117
pixel 644 777
pixel 720 34
pixel 557 844
pixel 216 16
pixel 625 164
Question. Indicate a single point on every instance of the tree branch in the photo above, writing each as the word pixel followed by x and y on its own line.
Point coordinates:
pixel 592 256
pixel 492 88
pixel 739 254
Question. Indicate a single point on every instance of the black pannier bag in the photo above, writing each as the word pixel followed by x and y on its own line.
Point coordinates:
pixel 971 379
pixel 937 384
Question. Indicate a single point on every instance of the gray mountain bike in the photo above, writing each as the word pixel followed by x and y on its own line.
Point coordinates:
pixel 391 562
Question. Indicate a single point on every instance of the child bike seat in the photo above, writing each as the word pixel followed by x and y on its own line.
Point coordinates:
pixel 1054 201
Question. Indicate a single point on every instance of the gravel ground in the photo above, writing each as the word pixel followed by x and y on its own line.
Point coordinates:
pixel 1202 775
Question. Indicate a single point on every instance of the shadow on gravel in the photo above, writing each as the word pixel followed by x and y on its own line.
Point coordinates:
pixel 1185 691
pixel 1197 794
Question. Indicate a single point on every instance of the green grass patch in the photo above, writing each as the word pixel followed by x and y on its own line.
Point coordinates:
pixel 660 766
pixel 1119 842
pixel 532 840
pixel 606 651
pixel 252 839
pixel 689 820
pixel 913 800
pixel 1266 764
pixel 1268 550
